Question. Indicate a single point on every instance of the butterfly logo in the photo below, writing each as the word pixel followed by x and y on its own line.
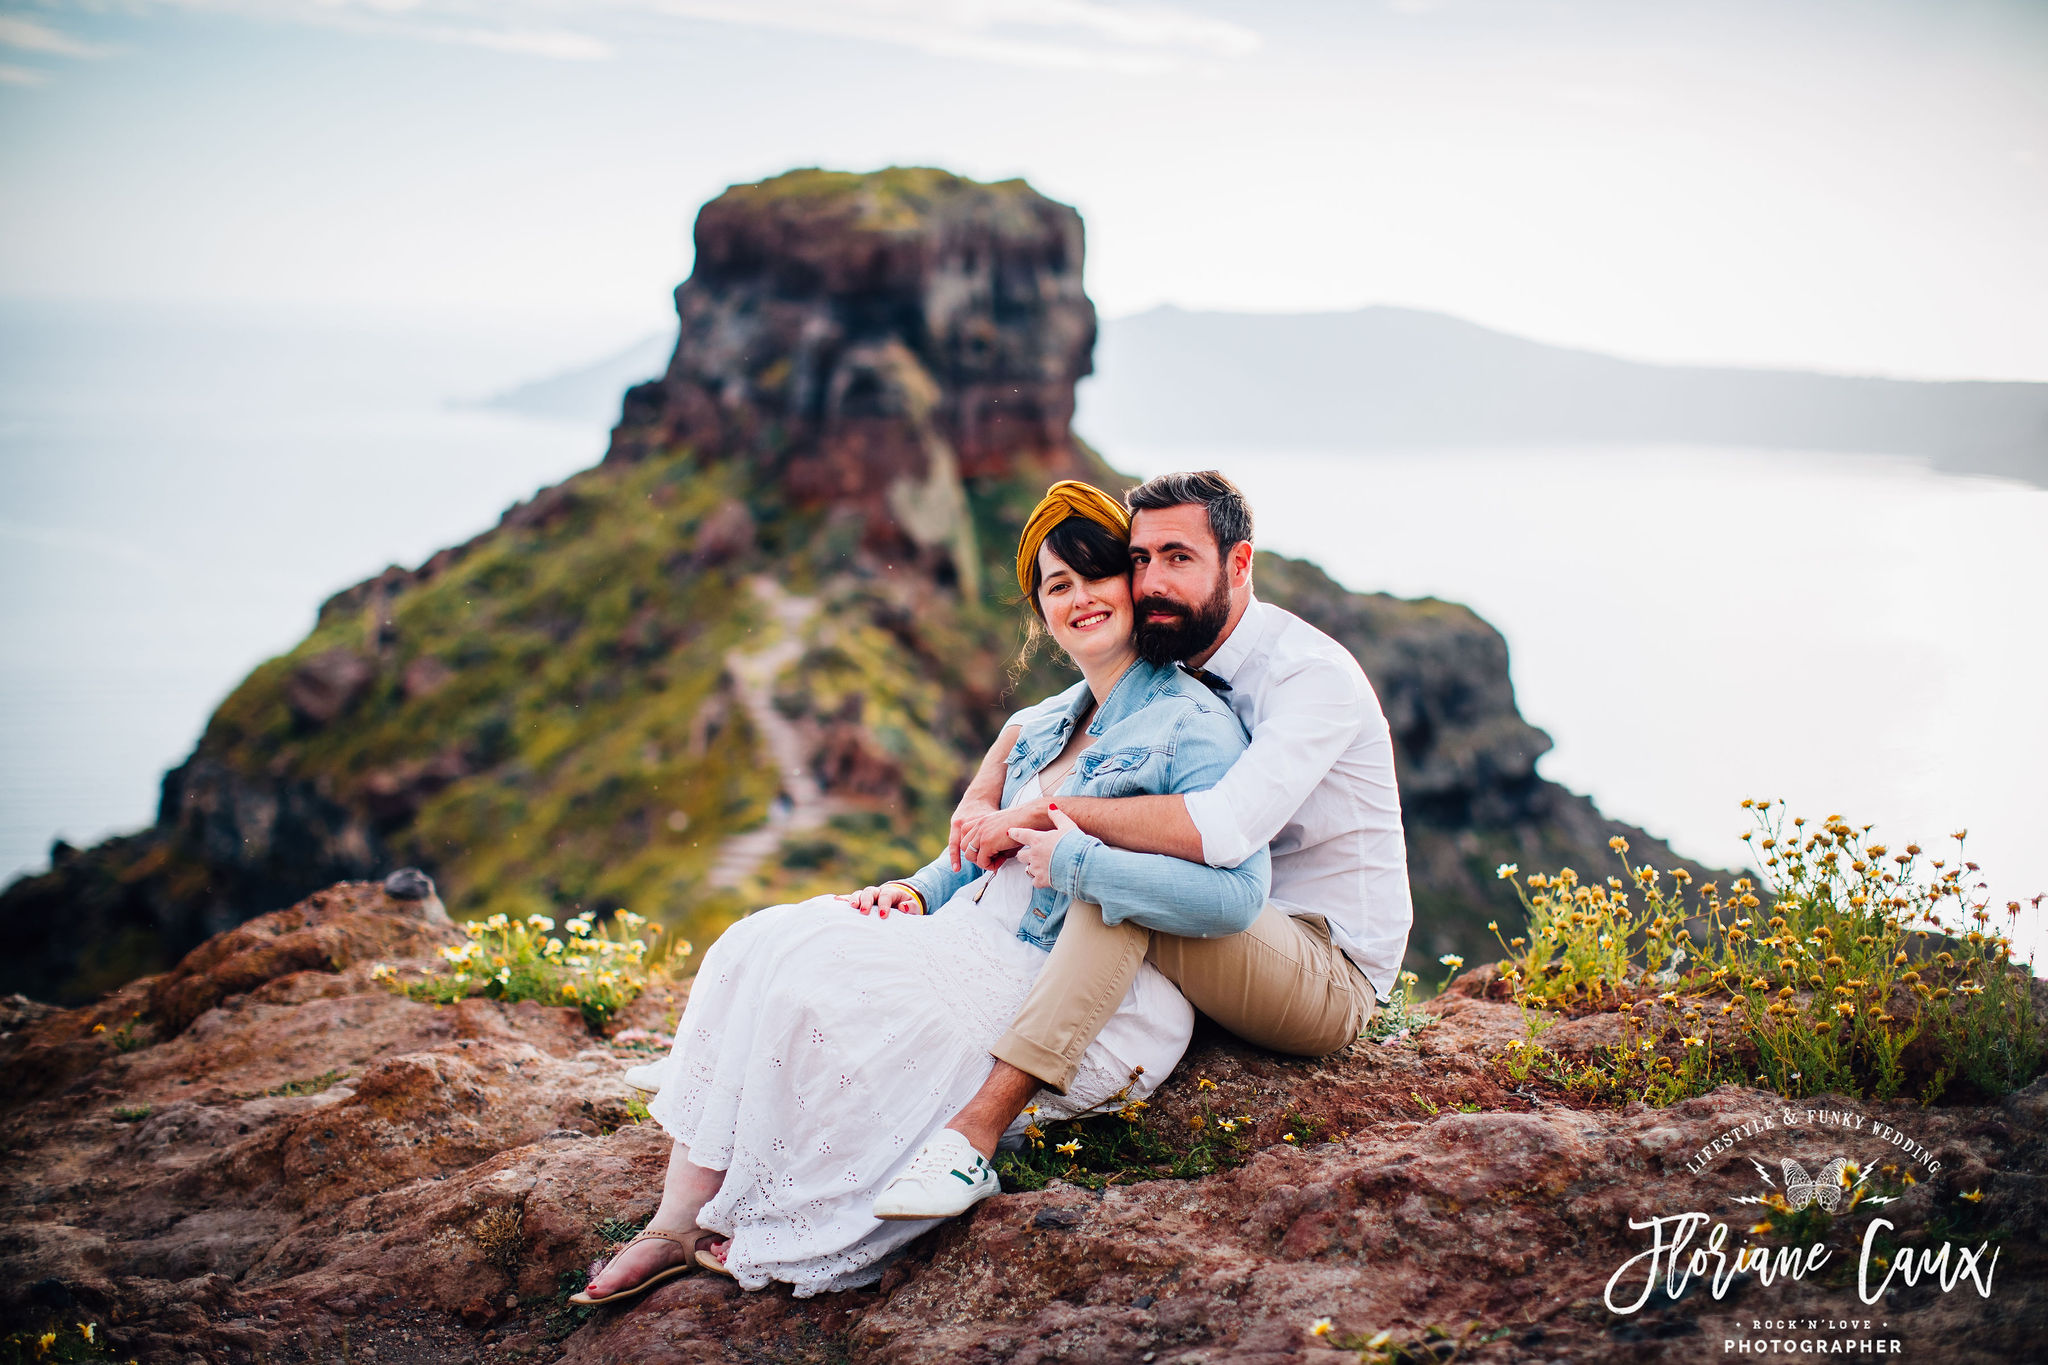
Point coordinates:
pixel 1824 1189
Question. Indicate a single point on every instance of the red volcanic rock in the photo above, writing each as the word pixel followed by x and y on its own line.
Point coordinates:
pixel 324 687
pixel 316 1168
pixel 393 795
pixel 424 676
pixel 868 341
pixel 726 534
pixel 327 932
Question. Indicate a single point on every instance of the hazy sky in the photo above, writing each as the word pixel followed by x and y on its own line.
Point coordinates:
pixel 1855 186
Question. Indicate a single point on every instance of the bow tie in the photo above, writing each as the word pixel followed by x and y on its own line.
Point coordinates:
pixel 1206 678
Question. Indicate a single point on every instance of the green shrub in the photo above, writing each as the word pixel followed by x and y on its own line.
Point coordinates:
pixel 56 1342
pixel 1117 1141
pixel 597 969
pixel 1860 954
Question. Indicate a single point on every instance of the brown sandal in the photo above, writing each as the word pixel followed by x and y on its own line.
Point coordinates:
pixel 710 1262
pixel 686 1239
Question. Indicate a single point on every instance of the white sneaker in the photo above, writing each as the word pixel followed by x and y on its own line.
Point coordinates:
pixel 946 1177
pixel 645 1078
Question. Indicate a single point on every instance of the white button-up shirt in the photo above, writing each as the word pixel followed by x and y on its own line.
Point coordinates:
pixel 1316 785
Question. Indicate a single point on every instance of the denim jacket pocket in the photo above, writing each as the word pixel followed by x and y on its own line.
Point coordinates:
pixel 1120 772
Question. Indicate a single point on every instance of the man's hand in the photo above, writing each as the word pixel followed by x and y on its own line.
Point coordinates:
pixel 979 801
pixel 992 838
pixel 886 897
pixel 970 813
pixel 1035 847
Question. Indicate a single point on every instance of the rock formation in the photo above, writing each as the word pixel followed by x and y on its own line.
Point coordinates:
pixel 591 705
pixel 266 1155
pixel 868 340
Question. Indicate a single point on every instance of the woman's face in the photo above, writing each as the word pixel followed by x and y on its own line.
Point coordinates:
pixel 1090 618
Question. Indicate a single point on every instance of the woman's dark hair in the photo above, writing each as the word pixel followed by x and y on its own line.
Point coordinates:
pixel 1089 548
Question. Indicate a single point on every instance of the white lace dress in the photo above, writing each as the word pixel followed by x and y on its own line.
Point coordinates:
pixel 821 1047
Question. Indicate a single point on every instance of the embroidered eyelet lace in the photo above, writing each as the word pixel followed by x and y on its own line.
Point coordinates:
pixel 821 1047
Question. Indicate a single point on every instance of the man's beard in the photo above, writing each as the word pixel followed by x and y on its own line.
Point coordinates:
pixel 1191 629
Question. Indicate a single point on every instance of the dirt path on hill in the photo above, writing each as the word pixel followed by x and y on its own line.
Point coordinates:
pixel 802 805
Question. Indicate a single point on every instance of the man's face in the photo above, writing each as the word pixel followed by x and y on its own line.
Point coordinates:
pixel 1180 583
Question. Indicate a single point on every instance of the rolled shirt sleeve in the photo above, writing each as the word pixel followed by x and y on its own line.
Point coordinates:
pixel 1291 752
pixel 1161 892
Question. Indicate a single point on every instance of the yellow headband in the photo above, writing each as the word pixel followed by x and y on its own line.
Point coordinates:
pixel 1067 498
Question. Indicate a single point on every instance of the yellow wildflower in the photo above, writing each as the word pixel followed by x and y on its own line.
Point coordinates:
pixel 1321 1327
pixel 1068 1148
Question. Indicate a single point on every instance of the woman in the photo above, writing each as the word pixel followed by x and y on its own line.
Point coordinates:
pixel 822 1047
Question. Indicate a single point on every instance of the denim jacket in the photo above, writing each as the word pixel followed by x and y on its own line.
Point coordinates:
pixel 1159 731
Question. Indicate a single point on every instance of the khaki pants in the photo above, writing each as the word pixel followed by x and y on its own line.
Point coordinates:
pixel 1281 984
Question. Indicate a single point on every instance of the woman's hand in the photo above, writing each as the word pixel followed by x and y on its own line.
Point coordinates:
pixel 1035 847
pixel 886 897
pixel 986 841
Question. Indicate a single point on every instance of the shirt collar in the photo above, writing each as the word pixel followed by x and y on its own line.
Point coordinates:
pixel 1133 691
pixel 1237 646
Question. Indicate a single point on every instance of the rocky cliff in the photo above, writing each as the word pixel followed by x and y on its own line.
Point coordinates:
pixel 755 651
pixel 265 1155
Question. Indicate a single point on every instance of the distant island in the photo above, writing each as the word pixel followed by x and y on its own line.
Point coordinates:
pixel 1401 378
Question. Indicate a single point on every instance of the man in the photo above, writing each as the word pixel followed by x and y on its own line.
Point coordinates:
pixel 1317 784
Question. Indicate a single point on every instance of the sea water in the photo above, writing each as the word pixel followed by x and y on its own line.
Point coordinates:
pixel 1862 635
pixel 181 488
pixel 1859 635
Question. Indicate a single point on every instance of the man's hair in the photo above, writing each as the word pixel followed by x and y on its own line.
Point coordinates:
pixel 1230 516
